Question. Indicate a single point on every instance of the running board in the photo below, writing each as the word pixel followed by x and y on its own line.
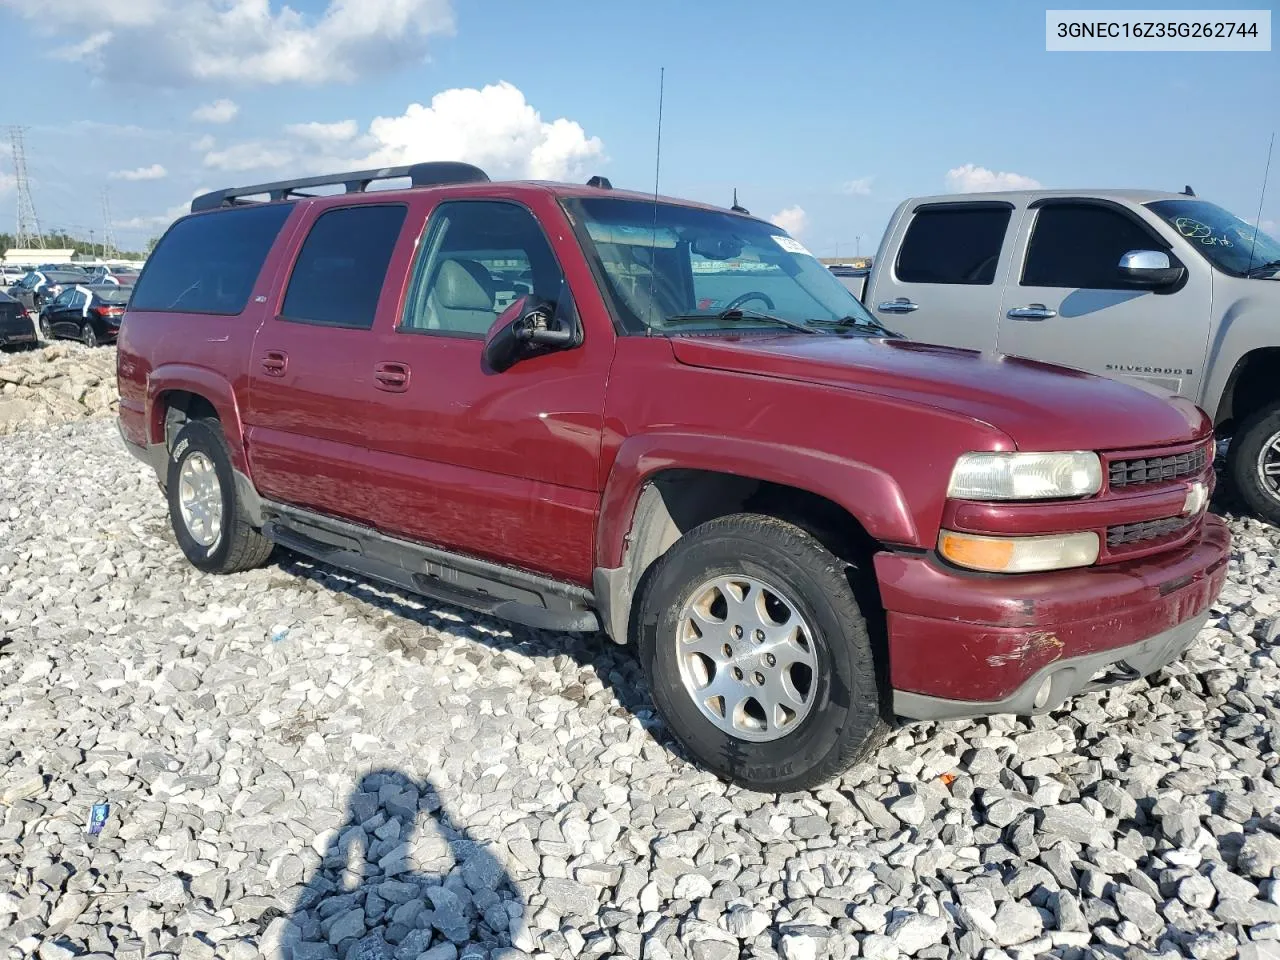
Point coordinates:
pixel 489 588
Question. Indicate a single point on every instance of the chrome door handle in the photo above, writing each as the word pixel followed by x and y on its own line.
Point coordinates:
pixel 1036 311
pixel 901 305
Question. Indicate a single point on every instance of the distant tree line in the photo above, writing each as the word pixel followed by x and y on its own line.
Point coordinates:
pixel 61 240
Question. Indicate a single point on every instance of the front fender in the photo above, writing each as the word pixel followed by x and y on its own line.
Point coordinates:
pixel 868 494
pixel 1246 325
pixel 202 382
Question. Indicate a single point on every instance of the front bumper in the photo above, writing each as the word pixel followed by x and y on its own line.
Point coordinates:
pixel 964 645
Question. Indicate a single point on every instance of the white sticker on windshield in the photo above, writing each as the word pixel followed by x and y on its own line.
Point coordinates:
pixel 791 246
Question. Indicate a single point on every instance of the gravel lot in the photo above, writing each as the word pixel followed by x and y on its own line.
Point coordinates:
pixel 303 765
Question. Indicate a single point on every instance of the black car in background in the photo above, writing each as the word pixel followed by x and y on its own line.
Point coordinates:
pixel 40 286
pixel 90 313
pixel 17 328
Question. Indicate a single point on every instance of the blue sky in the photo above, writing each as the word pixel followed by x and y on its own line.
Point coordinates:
pixel 838 109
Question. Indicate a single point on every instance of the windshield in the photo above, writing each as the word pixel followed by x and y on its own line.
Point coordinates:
pixel 113 294
pixel 693 265
pixel 1220 237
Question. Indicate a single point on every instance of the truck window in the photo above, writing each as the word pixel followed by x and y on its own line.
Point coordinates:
pixel 953 243
pixel 480 256
pixel 209 263
pixel 1080 246
pixel 342 266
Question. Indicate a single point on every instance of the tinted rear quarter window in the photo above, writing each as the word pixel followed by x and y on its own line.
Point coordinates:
pixel 957 244
pixel 209 263
pixel 342 266
pixel 1080 246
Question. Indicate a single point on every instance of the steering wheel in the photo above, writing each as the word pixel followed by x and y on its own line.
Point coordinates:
pixel 747 297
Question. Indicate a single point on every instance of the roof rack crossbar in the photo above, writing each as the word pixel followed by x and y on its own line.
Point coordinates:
pixel 356 181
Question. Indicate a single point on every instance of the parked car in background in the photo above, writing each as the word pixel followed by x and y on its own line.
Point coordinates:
pixel 1157 288
pixel 90 313
pixel 40 286
pixel 683 431
pixel 16 326
pixel 119 275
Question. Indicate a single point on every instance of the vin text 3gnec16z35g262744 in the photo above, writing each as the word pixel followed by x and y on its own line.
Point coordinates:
pixel 581 408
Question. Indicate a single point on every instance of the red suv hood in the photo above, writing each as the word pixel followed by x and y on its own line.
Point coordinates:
pixel 1040 406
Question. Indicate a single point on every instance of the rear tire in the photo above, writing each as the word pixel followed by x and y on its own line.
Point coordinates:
pixel 770 576
pixel 88 335
pixel 1255 449
pixel 204 508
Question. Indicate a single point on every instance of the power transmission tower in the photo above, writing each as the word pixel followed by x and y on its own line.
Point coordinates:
pixel 28 223
pixel 108 236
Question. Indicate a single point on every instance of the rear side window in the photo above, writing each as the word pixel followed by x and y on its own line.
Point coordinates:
pixel 343 265
pixel 1080 246
pixel 958 243
pixel 209 263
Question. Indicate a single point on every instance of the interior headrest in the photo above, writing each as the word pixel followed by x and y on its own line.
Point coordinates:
pixel 459 288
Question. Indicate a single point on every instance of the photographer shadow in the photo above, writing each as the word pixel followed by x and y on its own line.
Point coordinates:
pixel 387 890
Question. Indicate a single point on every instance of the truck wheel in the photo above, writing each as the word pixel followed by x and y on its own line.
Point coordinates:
pixel 758 655
pixel 1253 462
pixel 203 507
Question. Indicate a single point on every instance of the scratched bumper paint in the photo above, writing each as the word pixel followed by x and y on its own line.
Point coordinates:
pixel 962 637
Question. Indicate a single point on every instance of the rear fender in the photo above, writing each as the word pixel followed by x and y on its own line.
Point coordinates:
pixel 204 383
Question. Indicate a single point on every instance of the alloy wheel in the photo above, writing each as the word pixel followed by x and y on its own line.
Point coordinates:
pixel 747 657
pixel 200 499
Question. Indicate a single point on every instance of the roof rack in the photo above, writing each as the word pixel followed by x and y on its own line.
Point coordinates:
pixel 357 181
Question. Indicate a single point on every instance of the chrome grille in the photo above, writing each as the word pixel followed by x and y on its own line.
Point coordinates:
pixel 1124 473
pixel 1123 534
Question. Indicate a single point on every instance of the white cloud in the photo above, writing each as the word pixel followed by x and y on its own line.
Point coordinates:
pixel 174 42
pixel 86 48
pixel 153 172
pixel 858 188
pixel 251 155
pixel 204 144
pixel 159 220
pixel 220 111
pixel 974 179
pixel 493 127
pixel 339 132
pixel 791 219
pixel 7 182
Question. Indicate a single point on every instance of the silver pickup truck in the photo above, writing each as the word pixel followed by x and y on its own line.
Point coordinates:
pixel 1163 288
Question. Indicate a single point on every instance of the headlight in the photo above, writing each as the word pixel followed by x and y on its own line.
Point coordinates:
pixel 1025 476
pixel 1018 554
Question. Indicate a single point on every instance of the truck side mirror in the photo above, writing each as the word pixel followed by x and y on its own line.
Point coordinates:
pixel 1150 269
pixel 526 327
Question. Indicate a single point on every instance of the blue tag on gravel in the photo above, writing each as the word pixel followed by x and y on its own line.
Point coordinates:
pixel 98 818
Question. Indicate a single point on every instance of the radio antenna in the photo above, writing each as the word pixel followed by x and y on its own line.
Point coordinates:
pixel 1257 221
pixel 657 171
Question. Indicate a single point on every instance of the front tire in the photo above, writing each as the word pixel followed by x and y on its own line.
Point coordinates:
pixel 758 655
pixel 204 509
pixel 1253 462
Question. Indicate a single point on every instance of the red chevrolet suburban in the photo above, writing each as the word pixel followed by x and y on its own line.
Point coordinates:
pixel 585 409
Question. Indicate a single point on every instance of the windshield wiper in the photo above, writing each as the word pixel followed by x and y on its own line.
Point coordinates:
pixel 1272 265
pixel 870 323
pixel 737 314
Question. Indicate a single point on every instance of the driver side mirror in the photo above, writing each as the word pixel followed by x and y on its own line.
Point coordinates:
pixel 526 328
pixel 1150 269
